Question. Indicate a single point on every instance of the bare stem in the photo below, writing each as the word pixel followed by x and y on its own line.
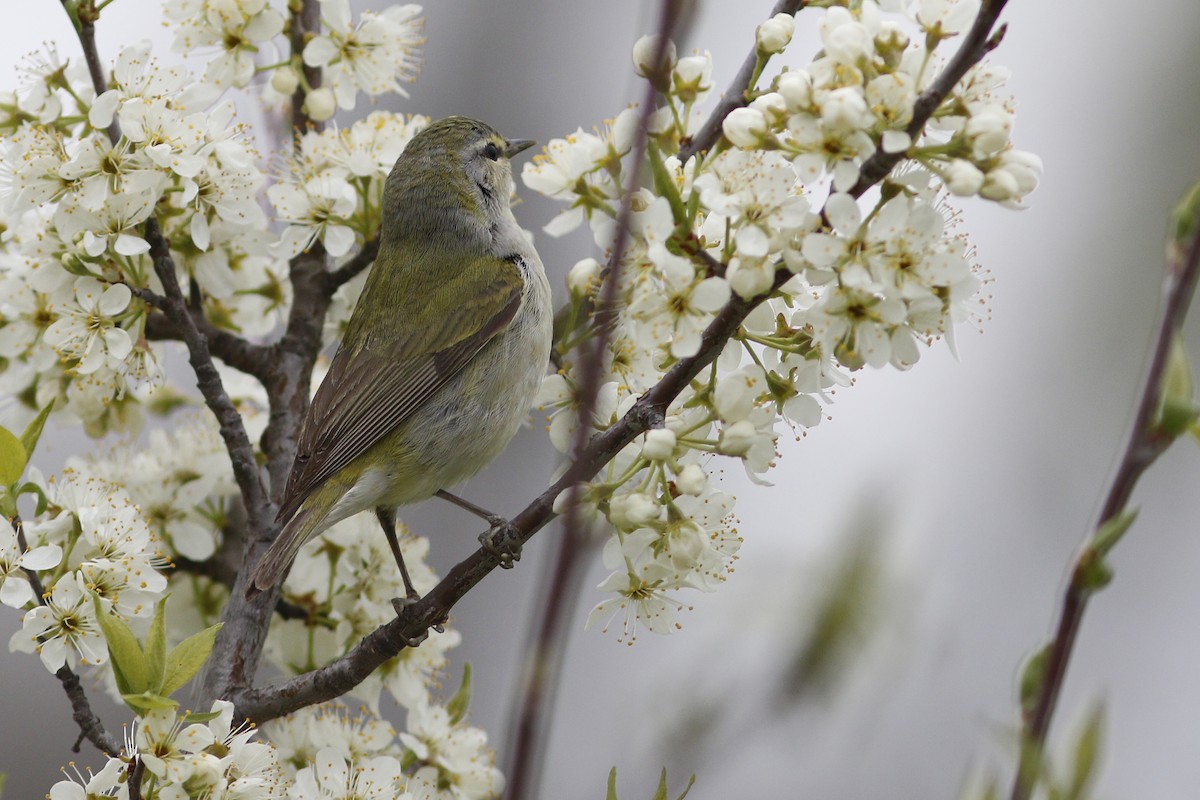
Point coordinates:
pixel 1146 443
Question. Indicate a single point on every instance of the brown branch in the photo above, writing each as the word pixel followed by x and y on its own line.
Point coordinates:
pixel 240 641
pixel 348 271
pixel 735 95
pixel 90 725
pixel 343 674
pixel 978 42
pixel 239 353
pixel 208 380
pixel 1146 443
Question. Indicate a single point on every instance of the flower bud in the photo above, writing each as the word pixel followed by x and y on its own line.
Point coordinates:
pixel 644 55
pixel 796 88
pixel 999 185
pixel 691 480
pixel 631 510
pixel 745 127
pixel 989 130
pixel 285 80
pixel 737 439
pixel 845 109
pixel 583 277
pixel 774 34
pixel 963 178
pixel 773 107
pixel 320 104
pixel 659 444
pixel 692 77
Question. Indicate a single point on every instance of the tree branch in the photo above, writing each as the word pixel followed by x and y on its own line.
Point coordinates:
pixel 735 95
pixel 1146 443
pixel 978 42
pixel 239 644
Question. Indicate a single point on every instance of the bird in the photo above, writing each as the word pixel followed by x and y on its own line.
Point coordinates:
pixel 442 356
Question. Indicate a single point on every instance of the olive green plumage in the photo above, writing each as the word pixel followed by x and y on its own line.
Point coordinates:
pixel 443 354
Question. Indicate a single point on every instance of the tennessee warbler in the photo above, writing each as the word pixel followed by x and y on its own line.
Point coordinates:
pixel 442 356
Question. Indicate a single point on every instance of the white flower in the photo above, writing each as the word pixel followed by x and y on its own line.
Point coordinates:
pixel 235 27
pixel 458 751
pixel 135 76
pixel 112 227
pixel 755 193
pixel 64 628
pixel 332 777
pixel 316 209
pixel 15 590
pixel 372 56
pixel 88 330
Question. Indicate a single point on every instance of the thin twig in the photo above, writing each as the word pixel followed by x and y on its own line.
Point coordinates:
pixel 735 95
pixel 90 725
pixel 529 721
pixel 1146 443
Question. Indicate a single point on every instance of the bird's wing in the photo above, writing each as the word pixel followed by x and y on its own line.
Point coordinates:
pixel 377 384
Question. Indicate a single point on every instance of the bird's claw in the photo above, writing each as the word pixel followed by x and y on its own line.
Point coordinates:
pixel 502 541
pixel 402 604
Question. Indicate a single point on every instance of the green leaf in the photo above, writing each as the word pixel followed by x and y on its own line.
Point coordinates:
pixel 1087 754
pixel 1033 676
pixel 32 488
pixel 1093 573
pixel 661 792
pixel 187 659
pixel 129 663
pixel 33 431
pixel 612 784
pixel 12 458
pixel 199 716
pixel 664 183
pixel 688 788
pixel 462 698
pixel 156 647
pixel 1177 409
pixel 147 701
pixel 1185 217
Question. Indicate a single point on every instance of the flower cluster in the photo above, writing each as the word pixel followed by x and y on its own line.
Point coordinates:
pixel 75 262
pixel 91 542
pixel 328 753
pixel 770 217
pixel 332 187
pixel 178 758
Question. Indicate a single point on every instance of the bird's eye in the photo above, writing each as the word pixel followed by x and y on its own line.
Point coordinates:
pixel 492 152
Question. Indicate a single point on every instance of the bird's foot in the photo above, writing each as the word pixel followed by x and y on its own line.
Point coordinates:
pixel 502 541
pixel 402 604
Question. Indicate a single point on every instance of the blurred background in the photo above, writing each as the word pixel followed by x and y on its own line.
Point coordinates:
pixel 946 502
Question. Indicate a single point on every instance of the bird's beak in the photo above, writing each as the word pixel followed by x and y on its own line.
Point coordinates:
pixel 517 145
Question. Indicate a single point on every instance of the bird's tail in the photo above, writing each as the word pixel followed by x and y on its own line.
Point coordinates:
pixel 305 524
